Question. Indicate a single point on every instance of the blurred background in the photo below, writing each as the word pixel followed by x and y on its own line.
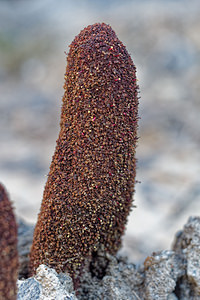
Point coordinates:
pixel 163 38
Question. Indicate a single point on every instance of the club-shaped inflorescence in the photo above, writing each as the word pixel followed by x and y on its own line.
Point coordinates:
pixel 88 194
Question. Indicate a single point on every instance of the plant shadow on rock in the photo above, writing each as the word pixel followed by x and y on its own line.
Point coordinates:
pixel 99 264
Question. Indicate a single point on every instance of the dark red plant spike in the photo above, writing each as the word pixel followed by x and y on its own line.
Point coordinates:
pixel 91 180
pixel 8 249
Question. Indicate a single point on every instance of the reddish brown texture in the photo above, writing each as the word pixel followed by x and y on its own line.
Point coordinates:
pixel 88 194
pixel 8 249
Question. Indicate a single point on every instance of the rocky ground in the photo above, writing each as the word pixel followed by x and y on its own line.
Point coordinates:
pixel 163 40
pixel 165 275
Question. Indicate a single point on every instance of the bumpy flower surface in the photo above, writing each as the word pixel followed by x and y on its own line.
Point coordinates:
pixel 88 194
pixel 8 249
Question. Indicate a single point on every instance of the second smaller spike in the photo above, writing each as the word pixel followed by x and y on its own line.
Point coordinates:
pixel 8 249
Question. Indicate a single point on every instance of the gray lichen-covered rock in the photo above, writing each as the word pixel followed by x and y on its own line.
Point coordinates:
pixel 165 275
pixel 162 271
pixel 28 289
pixel 187 244
pixel 122 281
pixel 46 285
